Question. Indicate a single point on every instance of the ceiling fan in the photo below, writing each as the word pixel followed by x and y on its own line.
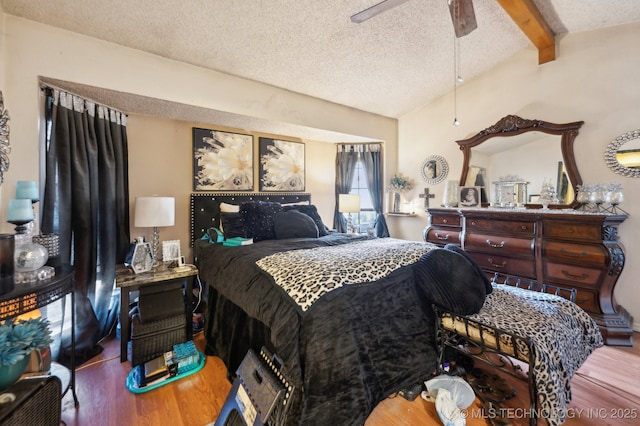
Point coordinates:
pixel 462 14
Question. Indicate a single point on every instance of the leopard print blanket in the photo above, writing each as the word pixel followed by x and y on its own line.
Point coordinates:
pixel 308 274
pixel 563 336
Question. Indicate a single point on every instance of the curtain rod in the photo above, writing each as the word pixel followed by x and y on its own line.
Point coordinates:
pixel 45 85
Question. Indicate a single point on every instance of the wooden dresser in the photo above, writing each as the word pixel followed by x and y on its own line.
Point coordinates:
pixel 562 247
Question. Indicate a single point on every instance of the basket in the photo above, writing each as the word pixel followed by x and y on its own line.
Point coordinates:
pixel 153 338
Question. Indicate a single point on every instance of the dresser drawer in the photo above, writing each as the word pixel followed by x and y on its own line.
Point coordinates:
pixel 499 245
pixel 572 231
pixel 587 300
pixel 573 274
pixel 581 253
pixel 442 236
pixel 446 220
pixel 506 265
pixel 501 226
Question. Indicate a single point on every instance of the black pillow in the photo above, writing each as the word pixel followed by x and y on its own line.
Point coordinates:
pixel 232 225
pixel 295 224
pixel 258 219
pixel 449 281
pixel 311 211
pixel 487 284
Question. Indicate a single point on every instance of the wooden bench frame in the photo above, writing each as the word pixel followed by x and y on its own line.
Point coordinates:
pixel 498 355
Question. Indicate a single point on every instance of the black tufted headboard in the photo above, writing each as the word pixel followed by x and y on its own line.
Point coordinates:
pixel 205 206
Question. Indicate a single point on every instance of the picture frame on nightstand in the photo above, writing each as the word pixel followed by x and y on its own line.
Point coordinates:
pixel 142 259
pixel 171 253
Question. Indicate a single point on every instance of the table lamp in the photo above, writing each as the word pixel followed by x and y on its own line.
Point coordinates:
pixel 349 203
pixel 154 212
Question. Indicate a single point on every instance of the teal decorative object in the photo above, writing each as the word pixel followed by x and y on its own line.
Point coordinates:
pixel 10 373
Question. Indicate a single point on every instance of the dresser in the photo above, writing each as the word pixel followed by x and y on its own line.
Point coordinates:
pixel 567 248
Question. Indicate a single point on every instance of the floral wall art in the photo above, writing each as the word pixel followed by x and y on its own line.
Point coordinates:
pixel 281 165
pixel 222 161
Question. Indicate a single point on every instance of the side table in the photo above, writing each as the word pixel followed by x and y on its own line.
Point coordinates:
pixel 128 281
pixel 27 297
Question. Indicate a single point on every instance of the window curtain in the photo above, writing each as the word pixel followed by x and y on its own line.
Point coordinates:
pixel 86 202
pixel 346 159
pixel 372 160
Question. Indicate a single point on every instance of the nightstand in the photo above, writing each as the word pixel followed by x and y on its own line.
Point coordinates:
pixel 127 281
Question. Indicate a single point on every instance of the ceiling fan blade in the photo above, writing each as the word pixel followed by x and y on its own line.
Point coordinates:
pixel 374 10
pixel 463 17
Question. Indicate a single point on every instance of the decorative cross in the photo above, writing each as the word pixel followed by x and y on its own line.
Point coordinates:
pixel 426 197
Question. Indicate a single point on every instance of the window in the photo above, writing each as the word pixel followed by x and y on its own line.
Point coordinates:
pixel 366 218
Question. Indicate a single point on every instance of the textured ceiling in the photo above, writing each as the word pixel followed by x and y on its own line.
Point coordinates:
pixel 390 65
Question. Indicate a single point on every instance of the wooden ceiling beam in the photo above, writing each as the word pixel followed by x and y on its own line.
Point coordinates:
pixel 527 16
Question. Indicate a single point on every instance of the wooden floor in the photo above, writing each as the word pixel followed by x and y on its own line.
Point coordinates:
pixel 605 390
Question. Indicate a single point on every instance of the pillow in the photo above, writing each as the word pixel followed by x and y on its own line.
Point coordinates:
pixel 295 224
pixel 455 248
pixel 233 225
pixel 258 219
pixel 229 208
pixel 311 211
pixel 449 281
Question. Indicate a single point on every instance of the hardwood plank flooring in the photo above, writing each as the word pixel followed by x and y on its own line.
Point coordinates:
pixel 604 388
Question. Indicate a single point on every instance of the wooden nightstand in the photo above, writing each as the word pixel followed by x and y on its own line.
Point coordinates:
pixel 128 281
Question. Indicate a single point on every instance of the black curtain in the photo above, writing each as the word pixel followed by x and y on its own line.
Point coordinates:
pixel 86 202
pixel 346 160
pixel 372 160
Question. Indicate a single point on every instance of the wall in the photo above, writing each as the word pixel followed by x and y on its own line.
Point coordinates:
pixel 160 155
pixel 594 79
pixel 31 50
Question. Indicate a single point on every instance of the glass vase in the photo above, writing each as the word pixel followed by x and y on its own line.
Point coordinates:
pixel 396 202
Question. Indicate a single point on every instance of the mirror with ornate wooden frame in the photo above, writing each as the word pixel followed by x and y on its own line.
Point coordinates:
pixel 525 142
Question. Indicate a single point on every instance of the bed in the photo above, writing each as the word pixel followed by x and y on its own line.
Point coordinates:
pixel 350 317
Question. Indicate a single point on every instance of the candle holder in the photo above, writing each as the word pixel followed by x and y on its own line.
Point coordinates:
pixel 20 213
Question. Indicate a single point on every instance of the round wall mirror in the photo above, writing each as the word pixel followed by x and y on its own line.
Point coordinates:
pixel 434 169
pixel 623 154
pixel 5 147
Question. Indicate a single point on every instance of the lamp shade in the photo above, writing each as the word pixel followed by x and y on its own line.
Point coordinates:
pixel 27 189
pixel 20 211
pixel 154 212
pixel 348 203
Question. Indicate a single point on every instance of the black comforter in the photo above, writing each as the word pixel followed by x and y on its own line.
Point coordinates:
pixel 356 346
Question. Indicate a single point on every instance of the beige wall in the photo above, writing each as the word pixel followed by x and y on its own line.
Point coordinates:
pixel 31 50
pixel 160 157
pixel 594 79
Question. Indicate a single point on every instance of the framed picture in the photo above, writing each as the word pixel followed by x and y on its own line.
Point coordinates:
pixel 171 252
pixel 142 259
pixel 434 169
pixel 222 161
pixel 281 165
pixel 534 199
pixel 469 196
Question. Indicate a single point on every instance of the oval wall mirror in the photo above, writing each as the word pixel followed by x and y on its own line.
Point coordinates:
pixel 535 151
pixel 434 169
pixel 623 154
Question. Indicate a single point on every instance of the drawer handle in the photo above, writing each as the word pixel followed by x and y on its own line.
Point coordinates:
pixel 445 221
pixel 524 227
pixel 495 265
pixel 494 245
pixel 570 230
pixel 570 254
pixel 575 277
pixel 446 237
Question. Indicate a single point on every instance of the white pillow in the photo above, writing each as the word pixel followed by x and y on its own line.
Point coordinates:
pixel 229 208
